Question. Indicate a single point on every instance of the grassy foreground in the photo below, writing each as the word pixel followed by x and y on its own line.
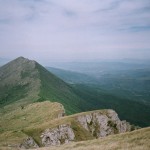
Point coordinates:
pixel 135 140
pixel 13 123
pixel 33 119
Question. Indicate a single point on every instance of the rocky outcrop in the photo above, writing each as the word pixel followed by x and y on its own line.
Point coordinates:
pixel 83 126
pixel 57 136
pixel 101 124
pixel 28 143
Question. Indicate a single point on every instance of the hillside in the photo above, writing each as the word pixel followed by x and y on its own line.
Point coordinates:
pixel 54 89
pixel 33 114
pixel 49 127
pixel 24 81
pixel 19 82
pixel 135 112
pixel 126 91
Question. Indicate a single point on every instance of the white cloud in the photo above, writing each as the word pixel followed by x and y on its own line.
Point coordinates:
pixel 62 29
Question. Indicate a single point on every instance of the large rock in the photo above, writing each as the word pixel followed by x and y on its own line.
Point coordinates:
pixel 57 136
pixel 101 124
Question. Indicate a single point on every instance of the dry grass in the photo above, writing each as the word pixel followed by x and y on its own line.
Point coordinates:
pixel 33 119
pixel 81 134
pixel 136 140
pixel 33 114
pixel 71 119
pixel 10 139
pixel 13 123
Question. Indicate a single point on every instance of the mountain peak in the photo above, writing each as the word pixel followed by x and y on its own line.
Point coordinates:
pixel 26 81
pixel 22 59
pixel 20 80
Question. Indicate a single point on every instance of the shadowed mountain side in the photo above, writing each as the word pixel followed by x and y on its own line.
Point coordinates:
pixel 56 89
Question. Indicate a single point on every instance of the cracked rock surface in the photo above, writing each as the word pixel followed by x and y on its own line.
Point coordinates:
pixel 103 124
pixel 57 136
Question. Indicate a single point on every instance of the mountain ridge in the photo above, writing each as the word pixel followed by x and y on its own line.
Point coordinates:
pixel 26 81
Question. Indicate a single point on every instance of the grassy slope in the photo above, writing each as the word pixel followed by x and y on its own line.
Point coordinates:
pixel 135 140
pixel 33 119
pixel 19 82
pixel 47 117
pixel 55 89
pixel 13 123
pixel 80 133
pixel 24 81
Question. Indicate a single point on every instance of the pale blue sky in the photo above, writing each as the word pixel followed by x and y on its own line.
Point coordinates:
pixel 75 29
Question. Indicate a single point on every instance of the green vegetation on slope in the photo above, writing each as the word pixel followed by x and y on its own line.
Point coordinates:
pixel 24 81
pixel 135 112
pixel 126 91
pixel 19 81
pixel 55 89
pixel 10 94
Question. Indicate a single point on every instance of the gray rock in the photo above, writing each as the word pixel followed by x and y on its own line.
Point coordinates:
pixel 28 143
pixel 57 136
pixel 101 124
